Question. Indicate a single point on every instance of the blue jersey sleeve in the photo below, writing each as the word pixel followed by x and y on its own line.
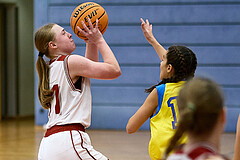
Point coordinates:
pixel 160 92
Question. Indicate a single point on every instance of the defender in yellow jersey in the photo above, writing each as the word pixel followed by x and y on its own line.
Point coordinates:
pixel 163 123
pixel 178 64
pixel 202 119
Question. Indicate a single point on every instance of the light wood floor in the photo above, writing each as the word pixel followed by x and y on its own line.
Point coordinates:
pixel 19 140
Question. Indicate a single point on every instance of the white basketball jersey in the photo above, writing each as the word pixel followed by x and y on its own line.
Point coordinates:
pixel 71 103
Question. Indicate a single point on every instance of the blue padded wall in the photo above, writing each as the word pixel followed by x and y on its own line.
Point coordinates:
pixel 211 28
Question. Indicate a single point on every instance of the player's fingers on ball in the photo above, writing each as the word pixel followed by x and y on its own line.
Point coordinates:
pixel 80 30
pixel 96 24
pixel 90 23
pixel 84 26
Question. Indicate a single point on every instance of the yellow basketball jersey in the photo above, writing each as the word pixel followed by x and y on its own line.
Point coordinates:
pixel 164 121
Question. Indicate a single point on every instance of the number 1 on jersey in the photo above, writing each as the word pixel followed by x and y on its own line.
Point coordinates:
pixel 173 111
pixel 56 92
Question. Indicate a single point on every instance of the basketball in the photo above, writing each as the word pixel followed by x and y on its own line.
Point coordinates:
pixel 88 10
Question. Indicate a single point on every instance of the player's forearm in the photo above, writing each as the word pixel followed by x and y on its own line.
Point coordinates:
pixel 158 48
pixel 108 56
pixel 92 52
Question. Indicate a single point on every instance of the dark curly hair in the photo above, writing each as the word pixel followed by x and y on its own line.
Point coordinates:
pixel 184 62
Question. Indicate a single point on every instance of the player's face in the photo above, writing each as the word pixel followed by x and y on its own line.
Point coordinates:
pixel 63 40
pixel 164 68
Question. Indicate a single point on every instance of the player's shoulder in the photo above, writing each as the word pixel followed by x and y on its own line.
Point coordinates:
pixel 161 87
pixel 75 58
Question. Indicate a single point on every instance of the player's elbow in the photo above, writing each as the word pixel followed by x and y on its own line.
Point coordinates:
pixel 130 129
pixel 116 73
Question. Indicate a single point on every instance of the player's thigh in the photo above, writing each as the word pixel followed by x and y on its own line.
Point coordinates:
pixel 58 146
pixel 84 148
pixel 72 145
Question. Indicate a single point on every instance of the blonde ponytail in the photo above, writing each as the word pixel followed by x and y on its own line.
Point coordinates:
pixel 42 37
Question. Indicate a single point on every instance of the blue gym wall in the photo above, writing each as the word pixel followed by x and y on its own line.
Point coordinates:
pixel 211 28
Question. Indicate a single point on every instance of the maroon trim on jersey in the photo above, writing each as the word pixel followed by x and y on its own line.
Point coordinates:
pixel 60 58
pixel 69 79
pixel 51 61
pixel 66 127
pixel 197 152
pixel 66 70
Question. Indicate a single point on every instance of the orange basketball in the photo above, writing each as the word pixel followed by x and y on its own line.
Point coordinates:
pixel 89 10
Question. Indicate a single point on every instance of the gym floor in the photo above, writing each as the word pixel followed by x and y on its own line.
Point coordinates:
pixel 20 139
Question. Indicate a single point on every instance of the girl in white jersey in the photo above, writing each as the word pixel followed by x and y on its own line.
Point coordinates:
pixel 64 89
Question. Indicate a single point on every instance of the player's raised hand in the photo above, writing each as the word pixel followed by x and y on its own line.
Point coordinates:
pixel 147 30
pixel 92 33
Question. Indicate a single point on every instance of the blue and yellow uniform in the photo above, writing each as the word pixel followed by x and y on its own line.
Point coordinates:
pixel 164 121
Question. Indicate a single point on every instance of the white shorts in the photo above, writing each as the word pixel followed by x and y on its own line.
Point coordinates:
pixel 68 145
